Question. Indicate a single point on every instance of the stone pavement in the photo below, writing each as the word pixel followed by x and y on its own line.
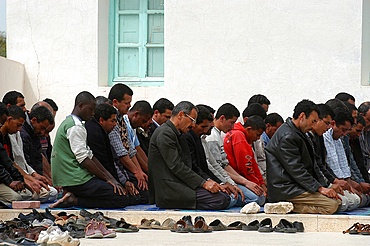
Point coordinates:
pixel 157 237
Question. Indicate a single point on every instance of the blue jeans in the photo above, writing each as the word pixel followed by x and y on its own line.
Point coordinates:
pixel 249 196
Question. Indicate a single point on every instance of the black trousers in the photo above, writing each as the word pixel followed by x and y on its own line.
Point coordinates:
pixel 211 201
pixel 97 193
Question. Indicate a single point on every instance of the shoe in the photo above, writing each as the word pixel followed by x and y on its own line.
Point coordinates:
pixel 217 225
pixel 62 239
pixel 188 221
pixel 123 226
pixel 353 229
pixel 105 231
pixel 92 230
pixel 237 225
pixel 166 225
pixel 181 227
pixel 201 227
pixel 198 218
pixel 252 226
pixel 285 226
pixel 148 224
pixel 48 215
pixel 299 226
pixel 278 208
pixel 265 225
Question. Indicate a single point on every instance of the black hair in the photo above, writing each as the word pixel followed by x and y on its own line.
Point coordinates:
pixel 325 110
pixel 84 97
pixel 42 113
pixel 11 97
pixel 341 116
pixel 162 104
pixel 361 120
pixel 183 106
pixel 228 110
pixel 364 107
pixel 261 99
pixel 336 103
pixel 118 91
pixel 16 112
pixel 256 122
pixel 344 96
pixel 273 119
pixel 104 111
pixel 203 114
pixel 3 109
pixel 51 103
pixel 103 99
pixel 254 109
pixel 350 106
pixel 143 107
pixel 210 109
pixel 305 106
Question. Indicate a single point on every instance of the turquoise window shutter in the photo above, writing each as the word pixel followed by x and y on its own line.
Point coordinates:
pixel 137 43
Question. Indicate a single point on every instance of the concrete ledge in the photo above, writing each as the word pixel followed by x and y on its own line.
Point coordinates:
pixel 312 222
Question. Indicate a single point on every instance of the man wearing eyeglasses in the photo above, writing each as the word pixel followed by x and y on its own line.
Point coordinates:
pixel 350 200
pixel 172 182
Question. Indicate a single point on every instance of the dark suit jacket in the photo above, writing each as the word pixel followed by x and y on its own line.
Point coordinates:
pixel 32 148
pixel 145 140
pixel 172 182
pixel 198 156
pixel 98 141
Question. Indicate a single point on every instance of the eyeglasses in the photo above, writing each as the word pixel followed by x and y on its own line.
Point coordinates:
pixel 192 119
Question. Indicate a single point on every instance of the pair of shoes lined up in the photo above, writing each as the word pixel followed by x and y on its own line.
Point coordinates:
pixel 186 225
pixel 114 224
pixel 266 226
pixel 55 236
pixel 98 229
pixel 357 228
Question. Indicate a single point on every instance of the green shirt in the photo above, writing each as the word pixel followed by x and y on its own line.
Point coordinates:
pixel 69 150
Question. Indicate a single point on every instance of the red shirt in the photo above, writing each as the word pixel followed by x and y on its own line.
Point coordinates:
pixel 240 154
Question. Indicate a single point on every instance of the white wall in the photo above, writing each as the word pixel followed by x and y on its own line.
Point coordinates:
pixel 216 51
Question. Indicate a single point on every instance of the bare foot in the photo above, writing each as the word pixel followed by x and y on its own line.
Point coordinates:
pixel 68 200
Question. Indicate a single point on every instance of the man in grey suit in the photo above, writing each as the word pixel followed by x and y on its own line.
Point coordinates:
pixel 172 182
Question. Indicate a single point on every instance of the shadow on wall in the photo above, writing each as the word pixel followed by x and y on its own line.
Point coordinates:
pixel 13 77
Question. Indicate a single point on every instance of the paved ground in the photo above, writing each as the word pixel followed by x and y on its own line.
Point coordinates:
pixel 155 237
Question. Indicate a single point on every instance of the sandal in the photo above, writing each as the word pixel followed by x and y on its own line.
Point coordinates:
pixel 147 224
pixel 123 226
pixel 353 229
pixel 181 227
pixel 166 225
pixel 201 227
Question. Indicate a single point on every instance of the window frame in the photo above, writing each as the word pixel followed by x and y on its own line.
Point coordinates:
pixel 142 80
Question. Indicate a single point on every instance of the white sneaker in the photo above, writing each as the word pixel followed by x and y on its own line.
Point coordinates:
pixel 63 239
pixel 43 237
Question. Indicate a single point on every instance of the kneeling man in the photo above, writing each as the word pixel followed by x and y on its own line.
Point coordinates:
pixel 172 182
pixel 292 174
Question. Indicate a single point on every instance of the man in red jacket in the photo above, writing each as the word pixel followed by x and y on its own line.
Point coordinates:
pixel 238 147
